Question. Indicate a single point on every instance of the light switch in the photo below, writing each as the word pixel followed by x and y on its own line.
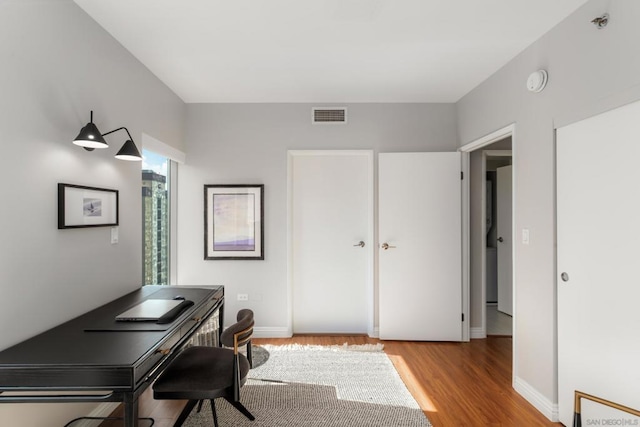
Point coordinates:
pixel 114 235
pixel 525 236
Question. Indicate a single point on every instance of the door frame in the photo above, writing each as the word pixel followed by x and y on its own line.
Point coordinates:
pixel 507 131
pixel 371 243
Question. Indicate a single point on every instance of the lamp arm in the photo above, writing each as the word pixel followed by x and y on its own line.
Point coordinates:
pixel 116 130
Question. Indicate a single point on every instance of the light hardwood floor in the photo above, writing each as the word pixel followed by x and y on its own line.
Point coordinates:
pixel 456 384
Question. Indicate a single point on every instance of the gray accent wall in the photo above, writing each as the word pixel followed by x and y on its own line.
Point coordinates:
pixel 57 65
pixel 247 144
pixel 590 71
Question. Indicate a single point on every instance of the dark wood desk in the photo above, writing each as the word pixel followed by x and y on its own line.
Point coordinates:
pixel 115 361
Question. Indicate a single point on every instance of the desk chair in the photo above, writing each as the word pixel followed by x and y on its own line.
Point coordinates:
pixel 206 373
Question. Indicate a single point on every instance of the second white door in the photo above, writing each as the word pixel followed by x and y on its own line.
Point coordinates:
pixel 331 241
pixel 420 273
pixel 505 239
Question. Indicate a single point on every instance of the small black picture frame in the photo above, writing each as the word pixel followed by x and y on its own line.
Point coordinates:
pixel 80 206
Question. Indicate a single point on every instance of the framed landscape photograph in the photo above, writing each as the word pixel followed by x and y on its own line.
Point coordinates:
pixel 80 206
pixel 234 222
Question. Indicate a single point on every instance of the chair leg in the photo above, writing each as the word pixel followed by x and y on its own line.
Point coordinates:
pixel 240 407
pixel 185 412
pixel 214 412
pixel 200 402
pixel 249 354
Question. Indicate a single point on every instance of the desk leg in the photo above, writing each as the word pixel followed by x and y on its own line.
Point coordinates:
pixel 220 324
pixel 130 410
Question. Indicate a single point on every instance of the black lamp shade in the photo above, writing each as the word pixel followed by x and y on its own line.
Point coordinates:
pixel 129 152
pixel 90 137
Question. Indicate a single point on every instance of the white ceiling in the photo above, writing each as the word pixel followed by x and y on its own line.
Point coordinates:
pixel 326 50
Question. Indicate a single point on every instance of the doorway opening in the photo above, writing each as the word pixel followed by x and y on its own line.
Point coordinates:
pixel 498 239
pixel 480 231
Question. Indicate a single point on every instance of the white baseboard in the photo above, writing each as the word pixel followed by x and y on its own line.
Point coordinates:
pixel 539 401
pixel 284 332
pixel 477 333
pixel 271 332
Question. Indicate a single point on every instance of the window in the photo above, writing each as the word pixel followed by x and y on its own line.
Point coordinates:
pixel 156 203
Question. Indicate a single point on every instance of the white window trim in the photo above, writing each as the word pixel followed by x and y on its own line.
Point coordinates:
pixel 165 150
pixel 173 221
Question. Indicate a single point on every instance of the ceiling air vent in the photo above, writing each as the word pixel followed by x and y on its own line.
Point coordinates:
pixel 329 115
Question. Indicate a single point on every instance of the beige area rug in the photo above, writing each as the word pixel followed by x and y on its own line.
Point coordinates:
pixel 306 386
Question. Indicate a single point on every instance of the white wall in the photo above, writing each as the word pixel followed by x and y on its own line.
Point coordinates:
pixel 57 65
pixel 247 144
pixel 590 71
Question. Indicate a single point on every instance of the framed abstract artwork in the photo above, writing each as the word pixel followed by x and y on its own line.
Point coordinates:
pixel 234 222
pixel 80 206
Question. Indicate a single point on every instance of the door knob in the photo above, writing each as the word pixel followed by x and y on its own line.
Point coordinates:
pixel 564 277
pixel 500 239
pixel 360 243
pixel 386 246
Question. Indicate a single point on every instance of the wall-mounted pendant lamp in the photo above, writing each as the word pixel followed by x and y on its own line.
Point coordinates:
pixel 91 138
pixel 128 151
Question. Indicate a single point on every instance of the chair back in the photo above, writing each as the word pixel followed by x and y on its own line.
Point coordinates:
pixel 240 332
pixel 236 336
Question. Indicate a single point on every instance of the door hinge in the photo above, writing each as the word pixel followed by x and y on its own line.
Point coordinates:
pixel 461 175
pixel 463 317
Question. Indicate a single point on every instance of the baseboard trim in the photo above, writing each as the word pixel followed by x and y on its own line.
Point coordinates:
pixel 477 333
pixel 284 332
pixel 271 332
pixel 539 401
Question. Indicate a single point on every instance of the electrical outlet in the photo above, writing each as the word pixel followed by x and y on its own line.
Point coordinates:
pixel 243 297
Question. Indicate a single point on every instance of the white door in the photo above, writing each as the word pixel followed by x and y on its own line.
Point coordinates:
pixel 505 240
pixel 331 213
pixel 420 273
pixel 598 228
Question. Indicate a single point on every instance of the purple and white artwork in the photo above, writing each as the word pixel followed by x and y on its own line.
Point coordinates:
pixel 234 222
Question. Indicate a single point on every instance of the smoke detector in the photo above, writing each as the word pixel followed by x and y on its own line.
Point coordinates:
pixel 537 81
